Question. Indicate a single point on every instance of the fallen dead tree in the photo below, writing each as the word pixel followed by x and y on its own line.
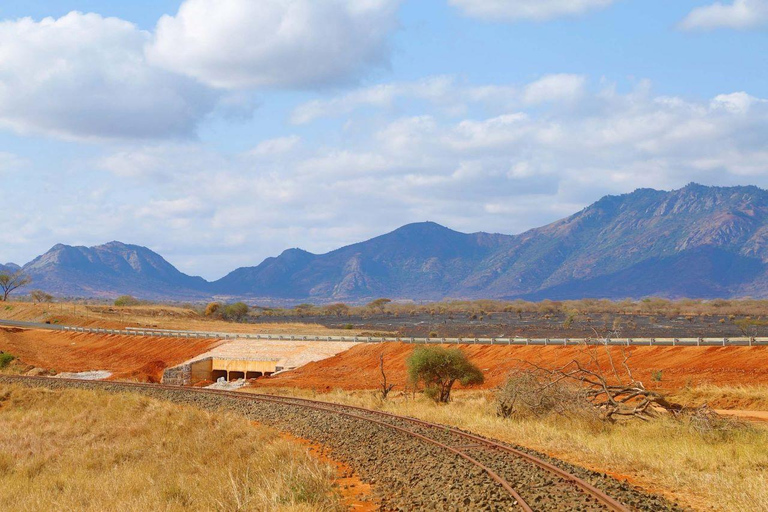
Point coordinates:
pixel 608 388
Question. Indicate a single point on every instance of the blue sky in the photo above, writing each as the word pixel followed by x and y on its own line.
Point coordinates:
pixel 222 132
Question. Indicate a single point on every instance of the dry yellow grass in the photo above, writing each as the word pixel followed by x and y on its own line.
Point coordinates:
pixel 663 456
pixel 744 397
pixel 90 451
pixel 155 316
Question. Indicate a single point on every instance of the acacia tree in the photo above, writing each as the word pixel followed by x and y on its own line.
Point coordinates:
pixel 11 282
pixel 39 296
pixel 439 368
pixel 379 304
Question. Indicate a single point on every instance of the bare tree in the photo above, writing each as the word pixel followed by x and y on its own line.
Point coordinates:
pixel 385 387
pixel 609 386
pixel 39 296
pixel 11 282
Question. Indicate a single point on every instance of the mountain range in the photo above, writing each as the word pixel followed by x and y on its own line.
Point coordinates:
pixel 697 241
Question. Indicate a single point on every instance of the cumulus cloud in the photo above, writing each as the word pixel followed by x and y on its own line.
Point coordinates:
pixel 740 14
pixel 515 10
pixel 84 76
pixel 274 43
pixel 277 146
pixel 504 171
pixel 448 94
pixel 551 88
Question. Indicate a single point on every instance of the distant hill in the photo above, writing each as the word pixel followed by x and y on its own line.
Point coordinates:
pixel 694 242
pixel 9 268
pixel 110 270
pixel 697 242
pixel 424 261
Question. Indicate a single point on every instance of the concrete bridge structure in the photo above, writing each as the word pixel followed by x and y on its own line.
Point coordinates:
pixel 250 359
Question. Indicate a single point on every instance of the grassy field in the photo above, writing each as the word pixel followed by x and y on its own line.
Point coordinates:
pixel 82 450
pixel 748 397
pixel 727 472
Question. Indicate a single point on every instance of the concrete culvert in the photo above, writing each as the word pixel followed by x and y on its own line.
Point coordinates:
pixel 217 374
pixel 233 376
pixel 253 375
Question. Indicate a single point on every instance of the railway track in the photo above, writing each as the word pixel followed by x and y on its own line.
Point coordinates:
pixel 461 470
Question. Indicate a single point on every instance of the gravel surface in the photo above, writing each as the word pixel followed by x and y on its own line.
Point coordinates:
pixel 408 473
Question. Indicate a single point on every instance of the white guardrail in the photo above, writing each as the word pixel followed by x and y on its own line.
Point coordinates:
pixel 672 342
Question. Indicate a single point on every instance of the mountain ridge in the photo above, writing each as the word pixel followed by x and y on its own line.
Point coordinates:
pixel 696 241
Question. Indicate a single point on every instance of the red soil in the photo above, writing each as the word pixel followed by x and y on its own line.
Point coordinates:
pixel 355 494
pixel 127 357
pixel 358 368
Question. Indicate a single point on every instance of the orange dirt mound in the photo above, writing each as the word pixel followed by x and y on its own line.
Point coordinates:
pixel 358 368
pixel 127 357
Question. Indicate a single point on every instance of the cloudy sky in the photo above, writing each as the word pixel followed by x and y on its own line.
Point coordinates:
pixel 220 132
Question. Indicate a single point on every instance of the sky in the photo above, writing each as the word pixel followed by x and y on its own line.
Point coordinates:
pixel 222 132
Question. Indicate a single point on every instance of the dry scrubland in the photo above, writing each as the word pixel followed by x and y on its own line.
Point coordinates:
pixel 155 316
pixel 721 471
pixel 82 450
pixel 648 306
pixel 193 316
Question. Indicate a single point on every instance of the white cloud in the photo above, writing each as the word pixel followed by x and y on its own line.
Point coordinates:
pixel 740 14
pixel 448 94
pixel 737 102
pixel 281 43
pixel 515 10
pixel 434 89
pixel 83 76
pixel 277 146
pixel 552 88
pixel 505 172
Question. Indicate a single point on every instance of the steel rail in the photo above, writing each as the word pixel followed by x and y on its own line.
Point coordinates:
pixel 315 405
pixel 585 486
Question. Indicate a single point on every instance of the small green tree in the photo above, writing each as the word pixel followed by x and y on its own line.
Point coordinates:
pixel 236 312
pixel 126 300
pixel 439 368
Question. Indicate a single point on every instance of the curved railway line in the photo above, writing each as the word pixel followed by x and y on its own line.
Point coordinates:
pixel 424 465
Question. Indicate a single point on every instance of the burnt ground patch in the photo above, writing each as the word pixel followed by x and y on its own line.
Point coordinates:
pixel 526 324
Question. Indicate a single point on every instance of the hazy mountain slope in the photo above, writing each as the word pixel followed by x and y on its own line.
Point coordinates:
pixel 9 268
pixel 109 270
pixel 422 260
pixel 697 241
pixel 616 234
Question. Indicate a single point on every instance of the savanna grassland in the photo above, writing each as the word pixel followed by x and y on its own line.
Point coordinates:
pixel 723 468
pixel 94 451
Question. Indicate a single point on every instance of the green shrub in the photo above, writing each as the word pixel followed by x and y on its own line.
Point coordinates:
pixel 5 359
pixel 439 368
pixel 126 300
pixel 235 312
